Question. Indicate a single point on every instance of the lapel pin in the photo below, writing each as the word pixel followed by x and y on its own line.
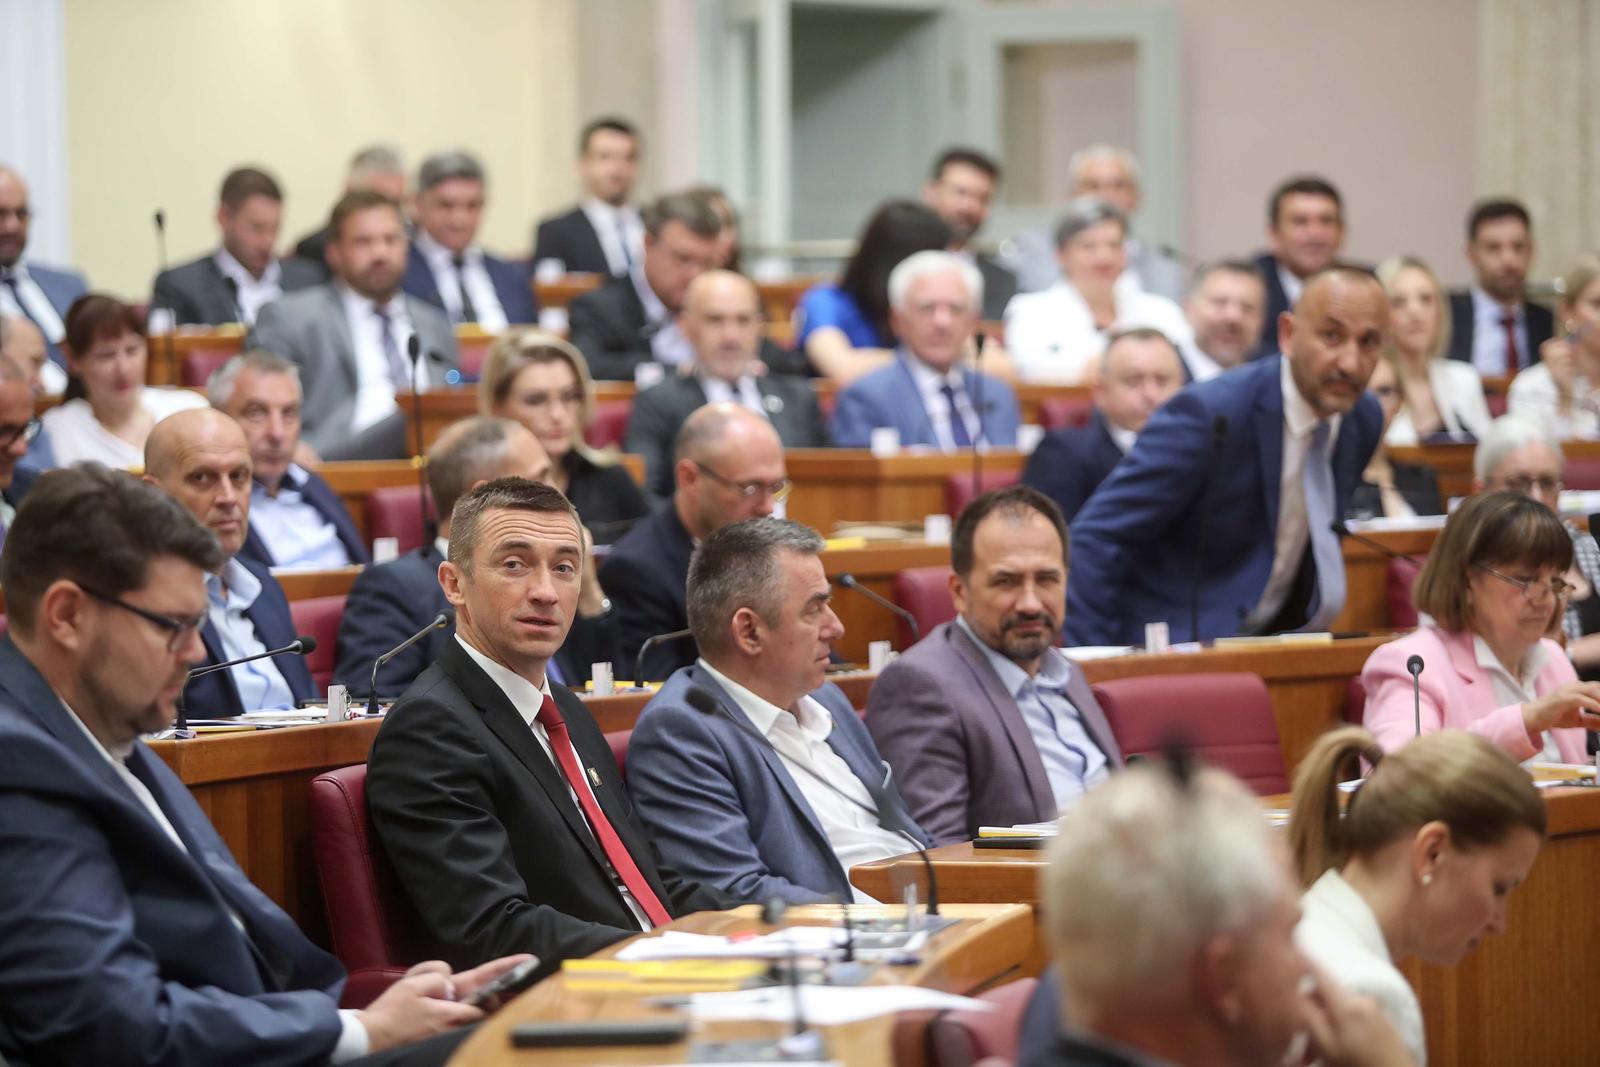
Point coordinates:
pixel 594 777
pixel 773 404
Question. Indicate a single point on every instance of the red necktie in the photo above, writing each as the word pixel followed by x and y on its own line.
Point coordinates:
pixel 1513 358
pixel 561 744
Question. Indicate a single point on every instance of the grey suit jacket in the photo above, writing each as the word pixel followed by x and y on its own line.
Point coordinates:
pixel 197 292
pixel 958 742
pixel 309 328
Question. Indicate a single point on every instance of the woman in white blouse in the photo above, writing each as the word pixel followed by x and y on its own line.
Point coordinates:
pixel 107 410
pixel 1057 336
pixel 1442 395
pixel 1418 864
pixel 1562 390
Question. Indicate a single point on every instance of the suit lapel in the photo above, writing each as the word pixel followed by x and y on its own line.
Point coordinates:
pixel 344 340
pixel 218 296
pixel 1093 719
pixel 1010 719
pixel 1268 419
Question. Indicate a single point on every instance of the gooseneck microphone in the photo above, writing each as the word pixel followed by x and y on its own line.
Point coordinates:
pixel 849 582
pixel 302 645
pixel 414 353
pixel 649 643
pixel 1377 546
pixel 169 342
pixel 977 406
pixel 1414 665
pixel 439 621
pixel 1219 431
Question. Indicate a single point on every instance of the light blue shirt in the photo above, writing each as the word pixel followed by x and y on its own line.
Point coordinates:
pixel 1072 760
pixel 229 596
pixel 295 532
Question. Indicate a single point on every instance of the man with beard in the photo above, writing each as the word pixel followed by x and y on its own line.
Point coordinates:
pixel 959 190
pixel 350 338
pixel 1493 325
pixel 1305 231
pixel 1224 311
pixel 985 720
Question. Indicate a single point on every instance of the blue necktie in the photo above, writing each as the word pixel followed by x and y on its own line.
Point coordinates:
pixel 958 425
pixel 1317 478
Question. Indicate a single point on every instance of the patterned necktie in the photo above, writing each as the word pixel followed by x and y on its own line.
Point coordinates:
pixel 1317 479
pixel 468 313
pixel 398 372
pixel 958 425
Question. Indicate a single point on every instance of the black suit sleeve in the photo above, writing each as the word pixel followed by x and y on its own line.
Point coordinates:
pixel 380 612
pixel 651 431
pixel 611 349
pixel 166 293
pixel 1059 474
pixel 591 640
pixel 644 608
pixel 781 360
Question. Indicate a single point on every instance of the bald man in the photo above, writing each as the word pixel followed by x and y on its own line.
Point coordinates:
pixel 38 293
pixel 16 424
pixel 201 458
pixel 729 467
pixel 1219 519
pixel 722 320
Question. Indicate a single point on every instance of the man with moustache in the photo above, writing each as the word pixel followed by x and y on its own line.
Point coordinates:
pixel 1493 325
pixel 1221 514
pixel 959 189
pixel 1224 311
pixel 1305 231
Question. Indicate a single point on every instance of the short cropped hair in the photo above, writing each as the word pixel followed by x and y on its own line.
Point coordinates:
pixel 921 264
pixel 358 200
pixel 442 167
pixel 965 157
pixel 377 159
pixel 1014 502
pixel 1500 529
pixel 99 528
pixel 220 386
pixel 737 567
pixel 1138 333
pixel 242 183
pixel 1494 209
pixel 1305 185
pixel 1508 434
pixel 1224 266
pixel 606 122
pixel 501 494
pixel 468 451
pixel 1084 156
pixel 689 208
pixel 1084 212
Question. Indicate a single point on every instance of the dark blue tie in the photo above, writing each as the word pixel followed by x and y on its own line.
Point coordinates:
pixel 958 425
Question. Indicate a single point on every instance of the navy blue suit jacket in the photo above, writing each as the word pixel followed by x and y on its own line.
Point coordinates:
pixel 1069 464
pixel 646 575
pixel 61 288
pixel 512 285
pixel 215 695
pixel 1134 542
pixel 320 495
pixel 889 397
pixel 1276 304
pixel 119 947
pixel 722 808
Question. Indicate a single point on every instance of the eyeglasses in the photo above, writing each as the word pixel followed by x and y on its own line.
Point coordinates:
pixel 1532 589
pixel 1527 483
pixel 178 630
pixel 778 490
pixel 27 431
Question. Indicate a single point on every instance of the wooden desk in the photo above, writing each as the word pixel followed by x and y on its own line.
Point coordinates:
pixel 988 947
pixel 306 585
pixel 834 485
pixel 1366 577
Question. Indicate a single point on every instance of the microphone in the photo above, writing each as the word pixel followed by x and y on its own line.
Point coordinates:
pixel 1219 431
pixel 1414 665
pixel 438 622
pixel 978 340
pixel 705 703
pixel 652 642
pixel 414 352
pixel 169 343
pixel 1377 546
pixel 302 645
pixel 849 582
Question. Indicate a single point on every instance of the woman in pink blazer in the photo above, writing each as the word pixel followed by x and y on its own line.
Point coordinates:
pixel 1493 587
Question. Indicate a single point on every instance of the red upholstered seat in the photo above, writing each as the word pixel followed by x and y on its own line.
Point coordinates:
pixel 374 930
pixel 318 617
pixel 609 424
pixel 925 592
pixel 958 487
pixel 1063 412
pixel 618 740
pixel 1226 719
pixel 470 356
pixel 200 363
pixel 393 512
pixel 1581 472
pixel 1400 577
pixel 1497 404
pixel 963 1038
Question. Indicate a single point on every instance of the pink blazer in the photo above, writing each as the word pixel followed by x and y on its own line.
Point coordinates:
pixel 1457 694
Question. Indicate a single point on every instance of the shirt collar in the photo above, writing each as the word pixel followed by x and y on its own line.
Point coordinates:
pixel 438 255
pixel 232 268
pixel 359 308
pixel 526 697
pixel 926 377
pixel 1054 670
pixel 117 756
pixel 233 586
pixel 813 720
pixel 1121 436
pixel 1532 663
pixel 1298 414
pixel 1292 284
pixel 17 270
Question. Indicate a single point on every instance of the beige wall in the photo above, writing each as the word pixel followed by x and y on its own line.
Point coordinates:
pixel 163 96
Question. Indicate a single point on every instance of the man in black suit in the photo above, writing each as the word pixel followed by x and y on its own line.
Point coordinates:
pixel 603 234
pixel 729 467
pixel 447 267
pixel 958 190
pixel 378 168
pixel 238 279
pixel 1305 231
pixel 494 792
pixel 1492 325
pixel 1140 371
pixel 721 317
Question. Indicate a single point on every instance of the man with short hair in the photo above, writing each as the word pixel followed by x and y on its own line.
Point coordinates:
pixel 18 427
pixel 1305 231
pixel 201 458
pixel 1178 533
pixel 236 281
pixel 729 467
pixel 1140 371
pixel 1493 325
pixel 350 338
pixel 603 234
pixel 959 190
pixel 379 169
pixel 722 320
pixel 1224 309
pixel 447 267
pixel 38 293
pixel 296 519
pixel 927 395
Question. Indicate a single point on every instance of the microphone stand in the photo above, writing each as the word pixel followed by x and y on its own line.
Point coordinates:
pixel 849 582
pixel 430 530
pixel 169 342
pixel 977 404
pixel 440 620
pixel 1414 666
pixel 652 642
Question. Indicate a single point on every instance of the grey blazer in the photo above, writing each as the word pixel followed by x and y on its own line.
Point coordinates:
pixel 957 740
pixel 197 292
pixel 309 328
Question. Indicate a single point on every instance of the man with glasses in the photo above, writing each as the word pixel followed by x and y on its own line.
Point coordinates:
pixel 729 467
pixel 17 428
pixel 39 294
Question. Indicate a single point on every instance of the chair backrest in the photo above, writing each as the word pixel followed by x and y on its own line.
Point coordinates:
pixel 374 929
pixel 1398 580
pixel 393 511
pixel 958 488
pixel 318 617
pixel 1581 472
pixel 1226 719
pixel 925 592
pixel 1064 412
pixel 609 425
pixel 618 740
pixel 200 363
pixel 963 1038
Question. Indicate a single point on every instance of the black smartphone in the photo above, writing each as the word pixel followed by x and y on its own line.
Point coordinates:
pixel 592 1034
pixel 515 980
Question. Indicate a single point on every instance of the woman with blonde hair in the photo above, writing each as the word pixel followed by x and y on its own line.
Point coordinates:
pixel 1418 864
pixel 1562 390
pixel 1442 395
pixel 541 381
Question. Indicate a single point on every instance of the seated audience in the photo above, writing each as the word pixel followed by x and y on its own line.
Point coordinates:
pixel 1494 326
pixel 927 394
pixel 1493 589
pixel 201 458
pixel 987 723
pixel 844 327
pixel 350 337
pixel 730 251
pixel 296 519
pixel 541 381
pixel 377 169
pixel 476 780
pixel 958 191
pixel 734 799
pixel 447 267
pixel 1223 310
pixel 1441 395
pixel 107 411
pixel 603 234
pixel 1389 489
pixel 722 320
pixel 1305 232
pixel 1218 521
pixel 1057 336
pixel 729 467
pixel 236 281
pixel 132 935
pixel 22 344
pixel 1142 370
pixel 17 429
pixel 31 290
pixel 1418 865
pixel 1562 390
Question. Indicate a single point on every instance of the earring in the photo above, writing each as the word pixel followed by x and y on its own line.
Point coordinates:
pixel 1427 879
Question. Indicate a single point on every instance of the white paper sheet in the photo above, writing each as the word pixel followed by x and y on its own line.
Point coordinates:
pixel 825 1005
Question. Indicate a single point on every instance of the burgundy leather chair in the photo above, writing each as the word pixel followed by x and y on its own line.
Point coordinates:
pixel 1225 719
pixel 964 1038
pixel 958 487
pixel 1581 472
pixel 1064 412
pixel 200 363
pixel 925 592
pixel 609 424
pixel 1398 580
pixel 618 740
pixel 318 617
pixel 392 511
pixel 373 927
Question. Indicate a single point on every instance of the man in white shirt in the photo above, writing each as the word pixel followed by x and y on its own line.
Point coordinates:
pixel 751 771
pixel 603 234
pixel 1224 310
pixel 38 293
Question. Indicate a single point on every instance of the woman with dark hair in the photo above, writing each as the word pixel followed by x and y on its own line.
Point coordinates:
pixel 107 410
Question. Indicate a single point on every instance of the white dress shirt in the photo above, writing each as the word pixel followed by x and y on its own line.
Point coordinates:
pixel 297 534
pixel 800 739
pixel 1489 337
pixel 1052 337
pixel 1293 286
pixel 1121 436
pixel 613 225
pixel 1458 394
pixel 667 343
pixel 251 293
pixel 1533 394
pixel 930 385
pixel 743 392
pixel 1509 689
pixel 229 595
pixel 35 304
pixel 475 276
pixel 1202 368
pixel 375 386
